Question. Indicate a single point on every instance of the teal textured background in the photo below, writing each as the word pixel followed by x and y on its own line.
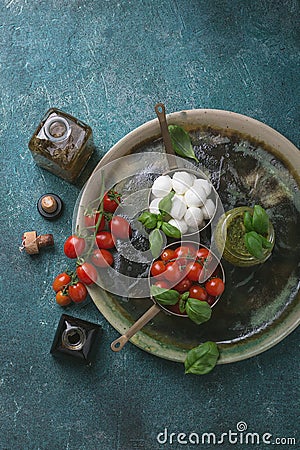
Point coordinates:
pixel 108 63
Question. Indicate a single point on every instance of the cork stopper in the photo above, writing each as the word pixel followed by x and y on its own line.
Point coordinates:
pixel 32 242
pixel 49 204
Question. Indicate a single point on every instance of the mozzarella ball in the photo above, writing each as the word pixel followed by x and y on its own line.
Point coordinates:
pixel 153 208
pixel 162 186
pixel 178 209
pixel 193 217
pixel 195 197
pixel 208 209
pixel 201 183
pixel 181 181
pixel 180 224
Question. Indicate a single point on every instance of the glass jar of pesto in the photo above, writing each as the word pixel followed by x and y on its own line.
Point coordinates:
pixel 231 230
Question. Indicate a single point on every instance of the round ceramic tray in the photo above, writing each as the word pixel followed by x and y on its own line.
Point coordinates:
pixel 248 162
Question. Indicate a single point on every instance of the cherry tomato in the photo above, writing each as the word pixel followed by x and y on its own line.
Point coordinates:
pixel 215 287
pixel 168 254
pixel 91 220
pixel 198 292
pixel 74 246
pixel 104 239
pixel 162 284
pixel 111 201
pixel 194 270
pixel 119 227
pixel 87 273
pixel 102 258
pixel 183 285
pixel 60 281
pixel 157 268
pixel 172 273
pixel 182 251
pixel 202 253
pixel 77 292
pixel 62 299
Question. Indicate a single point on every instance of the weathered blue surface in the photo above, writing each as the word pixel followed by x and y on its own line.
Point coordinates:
pixel 108 63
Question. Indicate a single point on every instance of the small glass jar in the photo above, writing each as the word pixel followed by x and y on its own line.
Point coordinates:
pixel 231 230
pixel 62 144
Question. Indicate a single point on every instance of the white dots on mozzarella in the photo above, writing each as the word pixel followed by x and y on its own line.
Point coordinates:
pixel 180 224
pixel 178 209
pixel 153 208
pixel 162 186
pixel 182 181
pixel 208 209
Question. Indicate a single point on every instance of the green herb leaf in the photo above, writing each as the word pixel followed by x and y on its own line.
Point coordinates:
pixel 260 220
pixel 156 242
pixel 148 219
pixel 185 295
pixel 170 230
pixel 182 303
pixel 248 221
pixel 165 205
pixel 181 142
pixel 202 359
pixel 164 296
pixel 254 244
pixel 197 310
pixel 265 243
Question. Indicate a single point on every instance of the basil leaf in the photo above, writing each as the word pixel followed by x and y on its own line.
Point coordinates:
pixel 170 230
pixel 148 219
pixel 202 359
pixel 260 220
pixel 248 221
pixel 165 205
pixel 181 142
pixel 182 305
pixel 197 310
pixel 156 242
pixel 265 242
pixel 164 296
pixel 185 295
pixel 254 245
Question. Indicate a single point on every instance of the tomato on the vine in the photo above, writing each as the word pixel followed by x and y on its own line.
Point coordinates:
pixel 172 272
pixel 215 287
pixel 198 292
pixel 202 253
pixel 183 285
pixel 120 228
pixel 62 298
pixel 157 268
pixel 61 281
pixel 77 292
pixel 92 218
pixel 168 254
pixel 102 258
pixel 162 284
pixel 74 246
pixel 194 270
pixel 111 201
pixel 105 240
pixel 87 273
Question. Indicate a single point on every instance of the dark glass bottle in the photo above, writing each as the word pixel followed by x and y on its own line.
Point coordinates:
pixel 62 144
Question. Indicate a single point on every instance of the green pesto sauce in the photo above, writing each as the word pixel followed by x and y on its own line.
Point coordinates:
pixel 235 238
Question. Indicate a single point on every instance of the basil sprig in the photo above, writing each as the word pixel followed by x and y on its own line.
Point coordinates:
pixel 202 359
pixel 181 142
pixel 157 222
pixel 256 226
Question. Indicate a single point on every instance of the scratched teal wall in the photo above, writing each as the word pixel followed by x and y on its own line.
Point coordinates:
pixel 108 63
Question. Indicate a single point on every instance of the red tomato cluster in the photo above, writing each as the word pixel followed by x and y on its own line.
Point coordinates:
pixel 180 269
pixel 101 230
